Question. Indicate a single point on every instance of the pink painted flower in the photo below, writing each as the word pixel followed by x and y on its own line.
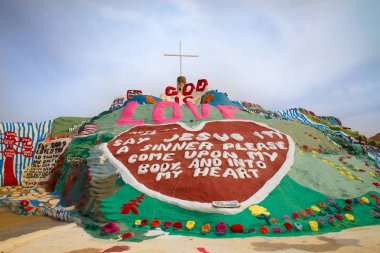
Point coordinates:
pixel 110 228
pixel 221 227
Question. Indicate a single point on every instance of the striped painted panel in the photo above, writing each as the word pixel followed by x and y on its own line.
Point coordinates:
pixel 36 131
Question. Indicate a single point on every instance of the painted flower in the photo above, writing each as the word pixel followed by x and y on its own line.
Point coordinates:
pixel 348 208
pixel 295 215
pixel 322 205
pixel 257 210
pixel 205 228
pixel 24 203
pixel 330 200
pixel 190 224
pixel 110 228
pixel 137 223
pixel 338 217
pixel 264 230
pixel 313 225
pixel 309 211
pixel 303 214
pixel 28 209
pixel 155 223
pixel 348 201
pixel 315 208
pixel 276 230
pixel 167 224
pixel 298 225
pixel 237 228
pixel 177 225
pixel 126 236
pixel 274 220
pixel 363 200
pixel 331 219
pixel 286 218
pixel 321 221
pixel 349 217
pixel 221 227
pixel 288 226
pixel 374 213
pixel 144 222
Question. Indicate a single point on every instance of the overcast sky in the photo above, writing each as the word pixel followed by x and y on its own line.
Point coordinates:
pixel 71 58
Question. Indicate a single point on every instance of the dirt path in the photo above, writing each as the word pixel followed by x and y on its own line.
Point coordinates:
pixel 13 225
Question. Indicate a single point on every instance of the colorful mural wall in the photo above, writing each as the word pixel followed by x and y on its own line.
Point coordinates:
pixel 18 143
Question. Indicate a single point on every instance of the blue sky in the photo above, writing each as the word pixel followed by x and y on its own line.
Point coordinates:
pixel 71 58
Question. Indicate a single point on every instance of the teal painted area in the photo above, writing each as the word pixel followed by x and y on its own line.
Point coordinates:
pixel 287 198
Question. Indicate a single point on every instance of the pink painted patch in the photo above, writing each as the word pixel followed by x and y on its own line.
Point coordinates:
pixel 202 250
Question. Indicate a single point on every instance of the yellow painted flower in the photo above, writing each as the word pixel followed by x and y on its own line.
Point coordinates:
pixel 349 217
pixel 315 208
pixel 359 178
pixel 314 155
pixel 342 173
pixel 348 172
pixel 325 161
pixel 332 164
pixel 300 152
pixel 257 210
pixel 363 200
pixel 356 168
pixel 351 177
pixel 190 224
pixel 137 222
pixel 313 225
pixel 372 173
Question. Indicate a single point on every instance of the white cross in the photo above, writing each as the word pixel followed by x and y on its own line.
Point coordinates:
pixel 180 55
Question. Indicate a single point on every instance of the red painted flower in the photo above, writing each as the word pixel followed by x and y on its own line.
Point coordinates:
pixel 348 201
pixel 322 205
pixel 28 209
pixel 348 208
pixel 295 215
pixel 167 224
pixel 264 230
pixel 338 217
pixel 288 226
pixel 309 211
pixel 237 228
pixel 144 222
pixel 24 203
pixel 177 225
pixel 156 223
pixel 127 235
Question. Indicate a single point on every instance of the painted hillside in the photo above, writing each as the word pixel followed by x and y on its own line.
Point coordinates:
pixel 192 162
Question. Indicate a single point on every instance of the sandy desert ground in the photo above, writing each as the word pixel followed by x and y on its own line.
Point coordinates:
pixel 41 234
